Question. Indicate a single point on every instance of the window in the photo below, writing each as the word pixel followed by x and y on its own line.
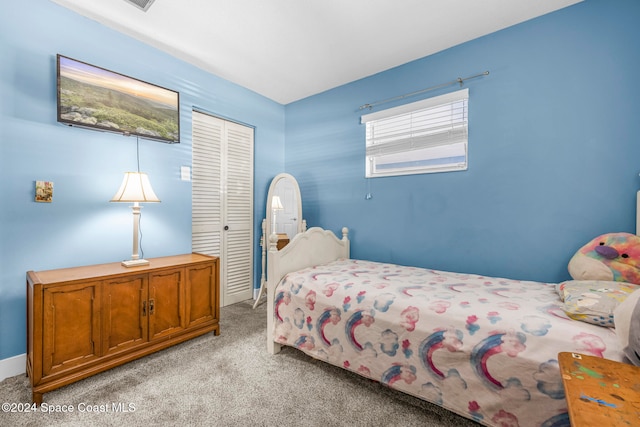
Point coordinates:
pixel 422 137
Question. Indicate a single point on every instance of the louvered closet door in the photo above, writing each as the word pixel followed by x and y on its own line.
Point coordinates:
pixel 239 213
pixel 206 187
pixel 222 208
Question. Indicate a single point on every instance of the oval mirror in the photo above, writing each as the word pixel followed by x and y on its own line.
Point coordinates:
pixel 283 217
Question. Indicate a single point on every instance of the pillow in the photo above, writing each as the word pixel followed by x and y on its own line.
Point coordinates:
pixel 627 320
pixel 593 301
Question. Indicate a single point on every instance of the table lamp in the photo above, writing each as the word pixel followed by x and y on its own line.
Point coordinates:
pixel 135 188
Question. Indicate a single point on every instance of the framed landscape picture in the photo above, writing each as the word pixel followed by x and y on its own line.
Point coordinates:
pixel 96 98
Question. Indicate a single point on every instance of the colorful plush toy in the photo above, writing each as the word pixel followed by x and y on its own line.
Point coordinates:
pixel 612 257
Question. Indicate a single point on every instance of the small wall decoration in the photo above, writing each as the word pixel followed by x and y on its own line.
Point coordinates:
pixel 44 191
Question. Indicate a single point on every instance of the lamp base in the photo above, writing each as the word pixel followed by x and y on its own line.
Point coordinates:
pixel 135 262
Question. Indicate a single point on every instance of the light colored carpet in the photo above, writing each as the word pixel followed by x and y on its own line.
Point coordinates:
pixel 228 380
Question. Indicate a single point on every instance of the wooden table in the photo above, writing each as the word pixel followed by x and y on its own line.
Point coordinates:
pixel 600 392
pixel 283 240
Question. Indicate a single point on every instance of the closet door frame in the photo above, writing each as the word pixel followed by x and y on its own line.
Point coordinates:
pixel 220 176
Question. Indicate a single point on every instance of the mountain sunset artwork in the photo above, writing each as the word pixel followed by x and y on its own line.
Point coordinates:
pixel 93 97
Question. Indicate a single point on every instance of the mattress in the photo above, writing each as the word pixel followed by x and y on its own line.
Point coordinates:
pixel 485 348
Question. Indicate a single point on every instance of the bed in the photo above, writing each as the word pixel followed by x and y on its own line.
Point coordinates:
pixel 483 347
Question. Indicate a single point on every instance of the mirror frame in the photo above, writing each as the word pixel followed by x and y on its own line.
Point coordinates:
pixel 266 225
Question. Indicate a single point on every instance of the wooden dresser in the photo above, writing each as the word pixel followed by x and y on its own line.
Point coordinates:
pixel 283 240
pixel 85 320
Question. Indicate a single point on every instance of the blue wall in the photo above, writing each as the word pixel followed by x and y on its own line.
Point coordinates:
pixel 553 150
pixel 81 227
pixel 553 158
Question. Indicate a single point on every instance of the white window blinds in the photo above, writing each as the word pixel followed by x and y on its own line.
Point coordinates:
pixel 420 137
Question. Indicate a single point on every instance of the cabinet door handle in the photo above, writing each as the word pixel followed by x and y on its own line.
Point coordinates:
pixel 144 308
pixel 151 306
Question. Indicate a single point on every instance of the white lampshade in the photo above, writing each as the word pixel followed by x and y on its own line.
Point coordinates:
pixel 135 188
pixel 276 204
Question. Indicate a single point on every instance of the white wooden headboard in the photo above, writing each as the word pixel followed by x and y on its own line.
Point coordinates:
pixel 314 247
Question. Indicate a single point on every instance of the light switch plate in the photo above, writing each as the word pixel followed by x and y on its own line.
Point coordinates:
pixel 185 173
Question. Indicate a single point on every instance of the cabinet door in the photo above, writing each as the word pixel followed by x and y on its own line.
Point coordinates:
pixel 71 326
pixel 202 294
pixel 166 303
pixel 125 313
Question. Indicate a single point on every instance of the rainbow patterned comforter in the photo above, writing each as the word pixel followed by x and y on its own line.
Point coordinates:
pixel 483 347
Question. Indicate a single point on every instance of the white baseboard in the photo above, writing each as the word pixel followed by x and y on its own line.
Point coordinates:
pixel 12 366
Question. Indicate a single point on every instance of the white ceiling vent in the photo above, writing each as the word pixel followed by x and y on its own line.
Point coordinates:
pixel 142 4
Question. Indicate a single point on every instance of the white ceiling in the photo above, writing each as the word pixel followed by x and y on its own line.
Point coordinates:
pixel 287 50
